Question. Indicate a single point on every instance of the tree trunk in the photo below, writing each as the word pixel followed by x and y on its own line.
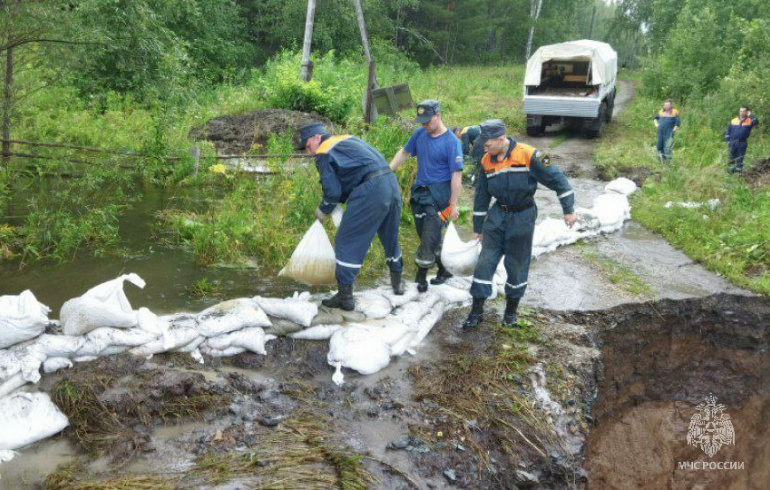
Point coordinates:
pixel 534 13
pixel 305 73
pixel 7 106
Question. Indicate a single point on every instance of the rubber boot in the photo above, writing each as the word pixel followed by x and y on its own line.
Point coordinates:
pixel 343 299
pixel 442 275
pixel 476 315
pixel 509 317
pixel 422 279
pixel 396 283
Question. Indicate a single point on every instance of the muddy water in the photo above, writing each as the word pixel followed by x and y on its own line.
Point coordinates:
pixel 659 363
pixel 168 271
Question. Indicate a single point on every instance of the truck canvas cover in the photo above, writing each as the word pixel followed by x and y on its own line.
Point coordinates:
pixel 603 59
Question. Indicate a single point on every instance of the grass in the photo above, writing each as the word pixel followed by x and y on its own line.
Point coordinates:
pixel 618 274
pixel 487 387
pixel 733 240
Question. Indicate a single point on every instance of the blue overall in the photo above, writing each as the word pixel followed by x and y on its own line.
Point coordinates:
pixel 513 181
pixel 437 160
pixel 373 203
pixel 736 135
pixel 666 124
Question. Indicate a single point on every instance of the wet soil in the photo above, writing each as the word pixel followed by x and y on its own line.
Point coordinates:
pixel 661 360
pixel 758 173
pixel 235 135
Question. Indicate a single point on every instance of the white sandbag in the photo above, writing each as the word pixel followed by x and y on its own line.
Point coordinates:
pixel 12 384
pixel 231 315
pixel 28 417
pixel 176 338
pixel 411 313
pixel 459 257
pixel 282 328
pixel 53 364
pixel 297 309
pixel 313 261
pixel 22 318
pixel 621 185
pixel 426 324
pixel 359 348
pixel 58 345
pixel 7 455
pixel 252 339
pixel 337 215
pixel 396 300
pixel 103 341
pixel 373 304
pixel 317 332
pixel 85 359
pixel 712 204
pixel 19 367
pixel 176 320
pixel 105 305
pixel 229 352
pixel 452 295
pixel 463 283
pixel 611 210
pixel 552 233
pixel 192 346
pixel 197 356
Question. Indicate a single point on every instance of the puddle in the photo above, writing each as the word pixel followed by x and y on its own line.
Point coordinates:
pixel 32 465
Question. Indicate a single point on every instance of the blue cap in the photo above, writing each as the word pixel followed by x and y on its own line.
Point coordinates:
pixel 492 128
pixel 426 110
pixel 309 131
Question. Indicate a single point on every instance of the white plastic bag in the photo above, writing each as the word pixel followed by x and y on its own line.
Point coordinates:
pixel 105 305
pixel 373 304
pixel 28 417
pixel 313 260
pixel 621 185
pixel 296 309
pixel 53 364
pixel 357 347
pixel 337 215
pixel 317 332
pixel 22 318
pixel 252 339
pixel 459 257
pixel 231 315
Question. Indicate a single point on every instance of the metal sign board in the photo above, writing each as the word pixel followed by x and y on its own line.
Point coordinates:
pixel 392 100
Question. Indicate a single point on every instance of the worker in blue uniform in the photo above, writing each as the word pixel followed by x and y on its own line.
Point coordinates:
pixel 353 172
pixel 667 121
pixel 436 188
pixel 738 131
pixel 510 172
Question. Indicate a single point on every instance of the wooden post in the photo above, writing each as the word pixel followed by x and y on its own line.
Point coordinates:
pixel 195 152
pixel 362 28
pixel 368 97
pixel 305 73
pixel 7 106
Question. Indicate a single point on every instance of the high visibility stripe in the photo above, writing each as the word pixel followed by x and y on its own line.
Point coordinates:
pixel 393 259
pixel 327 145
pixel 482 281
pixel 516 286
pixel 421 215
pixel 351 266
pixel 426 263
pixel 506 170
pixel 479 213
pixel 568 193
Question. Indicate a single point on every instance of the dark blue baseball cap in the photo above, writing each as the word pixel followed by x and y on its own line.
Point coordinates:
pixel 426 110
pixel 492 128
pixel 309 131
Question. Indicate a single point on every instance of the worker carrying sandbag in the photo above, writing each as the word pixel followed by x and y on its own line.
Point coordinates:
pixel 313 260
pixel 353 172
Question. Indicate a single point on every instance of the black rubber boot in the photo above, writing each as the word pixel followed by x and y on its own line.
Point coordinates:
pixel 422 279
pixel 343 299
pixel 509 317
pixel 476 315
pixel 442 275
pixel 396 283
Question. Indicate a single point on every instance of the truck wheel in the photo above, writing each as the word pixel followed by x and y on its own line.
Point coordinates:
pixel 593 127
pixel 534 130
pixel 610 108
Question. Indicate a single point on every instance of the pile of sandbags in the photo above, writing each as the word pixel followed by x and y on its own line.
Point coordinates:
pixel 22 318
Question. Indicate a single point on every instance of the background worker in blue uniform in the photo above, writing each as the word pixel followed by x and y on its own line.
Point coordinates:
pixel 352 171
pixel 738 131
pixel 510 172
pixel 668 122
pixel 436 188
pixel 472 143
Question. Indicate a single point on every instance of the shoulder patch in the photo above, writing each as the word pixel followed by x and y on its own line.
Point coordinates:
pixel 545 159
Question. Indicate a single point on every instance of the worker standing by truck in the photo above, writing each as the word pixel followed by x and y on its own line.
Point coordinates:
pixel 668 122
pixel 736 136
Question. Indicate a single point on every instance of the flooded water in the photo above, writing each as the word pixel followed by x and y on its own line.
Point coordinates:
pixel 168 271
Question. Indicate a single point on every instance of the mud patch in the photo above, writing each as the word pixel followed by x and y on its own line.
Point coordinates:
pixel 637 174
pixel 659 361
pixel 235 135
pixel 758 174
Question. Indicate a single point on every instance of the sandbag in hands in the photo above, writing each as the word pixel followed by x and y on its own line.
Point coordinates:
pixel 313 261
pixel 459 257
